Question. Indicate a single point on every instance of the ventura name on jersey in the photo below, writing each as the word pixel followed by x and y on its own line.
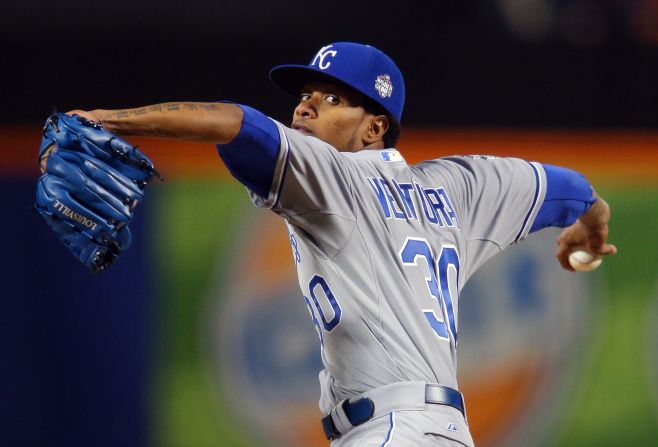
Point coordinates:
pixel 435 204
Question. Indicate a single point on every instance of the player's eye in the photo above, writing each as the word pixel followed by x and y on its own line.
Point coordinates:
pixel 304 97
pixel 332 99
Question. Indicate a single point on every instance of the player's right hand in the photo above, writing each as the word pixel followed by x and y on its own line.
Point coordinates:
pixel 589 233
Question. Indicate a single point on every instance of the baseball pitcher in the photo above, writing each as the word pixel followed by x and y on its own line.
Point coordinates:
pixel 383 248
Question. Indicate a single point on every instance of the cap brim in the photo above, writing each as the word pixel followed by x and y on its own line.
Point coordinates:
pixel 291 78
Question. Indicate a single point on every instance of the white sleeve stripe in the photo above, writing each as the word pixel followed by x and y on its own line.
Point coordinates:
pixel 283 173
pixel 540 191
pixel 280 168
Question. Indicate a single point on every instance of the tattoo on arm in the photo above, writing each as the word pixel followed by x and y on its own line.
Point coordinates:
pixel 158 108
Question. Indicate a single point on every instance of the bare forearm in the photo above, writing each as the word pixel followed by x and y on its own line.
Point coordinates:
pixel 590 232
pixel 216 123
pixel 598 215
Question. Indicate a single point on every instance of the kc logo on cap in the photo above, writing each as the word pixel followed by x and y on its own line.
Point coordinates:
pixel 324 52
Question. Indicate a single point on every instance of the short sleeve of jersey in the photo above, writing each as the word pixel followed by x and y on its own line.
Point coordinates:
pixel 500 197
pixel 310 177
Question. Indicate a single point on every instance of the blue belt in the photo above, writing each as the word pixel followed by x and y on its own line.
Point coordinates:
pixel 362 410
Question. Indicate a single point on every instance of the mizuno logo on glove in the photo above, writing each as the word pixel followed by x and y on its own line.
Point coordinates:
pixel 66 211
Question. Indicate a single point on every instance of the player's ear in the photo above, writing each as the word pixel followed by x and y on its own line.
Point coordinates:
pixel 377 127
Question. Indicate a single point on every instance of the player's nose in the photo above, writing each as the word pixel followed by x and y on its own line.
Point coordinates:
pixel 306 109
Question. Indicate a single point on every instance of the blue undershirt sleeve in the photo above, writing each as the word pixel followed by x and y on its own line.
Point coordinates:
pixel 568 196
pixel 252 155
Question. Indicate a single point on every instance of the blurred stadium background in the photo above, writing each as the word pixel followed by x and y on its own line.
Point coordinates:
pixel 198 335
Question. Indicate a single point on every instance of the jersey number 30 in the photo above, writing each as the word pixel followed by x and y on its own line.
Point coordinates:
pixel 439 287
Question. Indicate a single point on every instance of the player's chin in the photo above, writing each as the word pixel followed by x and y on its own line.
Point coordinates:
pixel 305 131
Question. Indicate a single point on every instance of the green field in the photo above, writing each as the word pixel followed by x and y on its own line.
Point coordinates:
pixel 612 403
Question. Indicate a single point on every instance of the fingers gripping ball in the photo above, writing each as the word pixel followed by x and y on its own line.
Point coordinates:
pixel 583 261
pixel 91 184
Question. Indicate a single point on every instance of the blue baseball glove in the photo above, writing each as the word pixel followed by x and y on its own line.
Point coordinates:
pixel 92 182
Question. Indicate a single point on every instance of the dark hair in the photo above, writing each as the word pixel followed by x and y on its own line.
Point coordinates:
pixel 392 135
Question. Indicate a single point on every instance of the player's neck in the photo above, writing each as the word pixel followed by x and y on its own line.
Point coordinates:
pixel 375 145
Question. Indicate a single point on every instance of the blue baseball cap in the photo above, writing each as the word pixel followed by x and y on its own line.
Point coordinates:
pixel 364 68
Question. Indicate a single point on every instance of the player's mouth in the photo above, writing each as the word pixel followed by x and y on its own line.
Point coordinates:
pixel 302 128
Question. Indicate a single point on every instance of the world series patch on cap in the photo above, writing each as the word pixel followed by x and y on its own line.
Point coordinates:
pixel 361 67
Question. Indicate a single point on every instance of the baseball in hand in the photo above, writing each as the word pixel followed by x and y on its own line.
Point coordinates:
pixel 583 261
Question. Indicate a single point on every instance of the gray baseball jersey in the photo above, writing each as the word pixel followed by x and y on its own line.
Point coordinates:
pixel 383 248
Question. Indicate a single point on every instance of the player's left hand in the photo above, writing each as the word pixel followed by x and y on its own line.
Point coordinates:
pixel 91 183
pixel 589 233
pixel 90 115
